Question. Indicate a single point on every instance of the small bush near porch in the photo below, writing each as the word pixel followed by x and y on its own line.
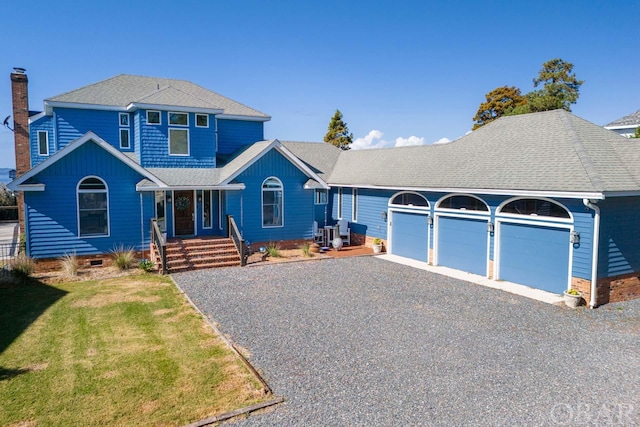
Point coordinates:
pixel 121 351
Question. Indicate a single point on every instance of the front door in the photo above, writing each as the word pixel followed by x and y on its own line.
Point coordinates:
pixel 183 212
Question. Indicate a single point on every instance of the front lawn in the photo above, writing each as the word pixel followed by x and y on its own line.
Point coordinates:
pixel 122 351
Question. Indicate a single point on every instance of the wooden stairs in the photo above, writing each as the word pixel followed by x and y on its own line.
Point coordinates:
pixel 200 253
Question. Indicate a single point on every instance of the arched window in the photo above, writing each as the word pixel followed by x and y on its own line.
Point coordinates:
pixel 93 208
pixel 464 203
pixel 409 199
pixel 535 207
pixel 272 193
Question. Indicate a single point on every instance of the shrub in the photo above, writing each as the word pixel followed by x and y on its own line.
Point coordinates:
pixel 377 241
pixel 306 249
pixel 573 292
pixel 147 265
pixel 123 257
pixel 22 266
pixel 273 250
pixel 69 264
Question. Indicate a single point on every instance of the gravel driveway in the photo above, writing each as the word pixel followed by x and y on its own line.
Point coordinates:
pixel 363 341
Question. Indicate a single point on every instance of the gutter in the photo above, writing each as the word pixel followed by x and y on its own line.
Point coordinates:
pixel 596 243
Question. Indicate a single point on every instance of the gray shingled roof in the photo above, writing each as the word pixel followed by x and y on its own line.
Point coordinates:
pixel 124 89
pixel 320 157
pixel 632 119
pixel 549 151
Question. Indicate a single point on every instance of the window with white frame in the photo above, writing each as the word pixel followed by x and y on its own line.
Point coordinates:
pixel 153 117
pixel 206 209
pixel 202 120
pixel 321 197
pixel 124 119
pixel 340 203
pixel 124 138
pixel 354 206
pixel 272 195
pixel 160 210
pixel 179 142
pixel 93 208
pixel 178 119
pixel 43 143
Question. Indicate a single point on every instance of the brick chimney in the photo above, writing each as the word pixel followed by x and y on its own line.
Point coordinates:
pixel 20 99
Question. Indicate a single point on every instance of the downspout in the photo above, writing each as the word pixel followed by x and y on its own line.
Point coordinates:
pixel 141 223
pixel 594 256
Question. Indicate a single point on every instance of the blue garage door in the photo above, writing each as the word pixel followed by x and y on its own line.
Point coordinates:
pixel 409 236
pixel 462 244
pixel 535 256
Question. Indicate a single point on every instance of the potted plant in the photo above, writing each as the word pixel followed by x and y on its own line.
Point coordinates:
pixel 572 298
pixel 377 245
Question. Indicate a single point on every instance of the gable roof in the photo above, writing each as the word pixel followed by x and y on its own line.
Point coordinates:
pixel 629 121
pixel 549 152
pixel 127 92
pixel 320 157
pixel 20 182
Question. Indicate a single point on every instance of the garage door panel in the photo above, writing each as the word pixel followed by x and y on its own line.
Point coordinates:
pixel 535 256
pixel 462 244
pixel 410 235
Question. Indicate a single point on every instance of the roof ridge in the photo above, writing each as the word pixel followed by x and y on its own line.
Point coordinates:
pixel 157 91
pixel 581 151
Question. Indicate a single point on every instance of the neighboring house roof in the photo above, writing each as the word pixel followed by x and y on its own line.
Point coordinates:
pixel 21 183
pixel 549 152
pixel 630 121
pixel 126 92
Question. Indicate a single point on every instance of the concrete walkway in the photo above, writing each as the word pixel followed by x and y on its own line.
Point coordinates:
pixel 9 232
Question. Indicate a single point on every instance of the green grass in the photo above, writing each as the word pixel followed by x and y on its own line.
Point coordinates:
pixel 124 351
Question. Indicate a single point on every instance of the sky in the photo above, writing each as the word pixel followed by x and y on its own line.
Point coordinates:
pixel 401 72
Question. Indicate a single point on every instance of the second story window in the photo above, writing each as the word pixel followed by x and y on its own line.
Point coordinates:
pixel 202 120
pixel 124 119
pixel 43 143
pixel 178 119
pixel 178 142
pixel 153 117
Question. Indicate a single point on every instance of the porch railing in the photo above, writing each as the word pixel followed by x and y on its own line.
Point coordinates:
pixel 160 241
pixel 234 234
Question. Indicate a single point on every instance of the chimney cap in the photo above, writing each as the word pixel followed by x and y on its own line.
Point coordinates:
pixel 19 70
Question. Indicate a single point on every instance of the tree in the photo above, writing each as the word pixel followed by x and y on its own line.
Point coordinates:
pixel 498 102
pixel 559 89
pixel 338 132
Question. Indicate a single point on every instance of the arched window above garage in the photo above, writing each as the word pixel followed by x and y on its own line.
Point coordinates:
pixel 463 202
pixel 409 199
pixel 534 207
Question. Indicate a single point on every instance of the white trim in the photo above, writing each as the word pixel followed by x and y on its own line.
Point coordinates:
pixel 147 122
pixel 46 137
pixel 220 224
pixel 339 209
pixel 428 207
pixel 202 115
pixel 245 118
pixel 29 187
pixel 262 190
pixel 451 213
pixel 533 216
pixel 122 147
pixel 354 205
pixel 595 248
pixel 493 192
pixel 181 113
pixel 543 223
pixel 474 212
pixel 74 145
pixel 210 209
pixel 37 117
pixel 630 127
pixel 229 187
pixel 120 116
pixel 49 105
pixel 181 129
pixel 164 107
pixel 106 191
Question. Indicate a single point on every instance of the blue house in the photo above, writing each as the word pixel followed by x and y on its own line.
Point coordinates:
pixel 547 200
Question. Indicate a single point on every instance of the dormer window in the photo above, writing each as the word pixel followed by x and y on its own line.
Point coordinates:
pixel 153 117
pixel 202 120
pixel 179 119
pixel 124 119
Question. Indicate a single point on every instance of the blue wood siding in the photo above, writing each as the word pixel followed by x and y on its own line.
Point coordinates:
pixel 154 146
pixel 246 206
pixel 410 231
pixel 536 256
pixel 72 123
pixel 52 214
pixel 42 124
pixel 462 244
pixel 233 134
pixel 371 204
pixel 619 236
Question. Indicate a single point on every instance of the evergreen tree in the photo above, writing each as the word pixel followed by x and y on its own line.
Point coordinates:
pixel 498 102
pixel 338 132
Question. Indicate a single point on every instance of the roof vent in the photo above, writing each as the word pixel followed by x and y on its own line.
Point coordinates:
pixel 18 70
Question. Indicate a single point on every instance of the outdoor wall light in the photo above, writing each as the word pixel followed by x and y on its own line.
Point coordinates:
pixel 384 215
pixel 430 221
pixel 490 227
pixel 574 237
pixel 168 198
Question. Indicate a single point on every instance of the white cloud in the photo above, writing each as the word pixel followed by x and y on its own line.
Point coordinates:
pixel 374 139
pixel 442 141
pixel 412 140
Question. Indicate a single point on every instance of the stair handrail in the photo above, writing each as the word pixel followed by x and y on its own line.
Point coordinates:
pixel 234 234
pixel 159 239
